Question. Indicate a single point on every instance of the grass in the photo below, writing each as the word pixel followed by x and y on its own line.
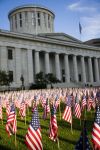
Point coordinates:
pixel 67 139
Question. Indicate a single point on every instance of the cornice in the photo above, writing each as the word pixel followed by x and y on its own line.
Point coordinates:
pixel 47 40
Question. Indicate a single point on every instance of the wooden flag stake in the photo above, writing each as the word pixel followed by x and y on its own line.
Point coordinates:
pixel 15 139
pixel 25 119
pixel 58 143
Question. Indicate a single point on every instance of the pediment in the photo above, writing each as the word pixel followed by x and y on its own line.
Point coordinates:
pixel 61 36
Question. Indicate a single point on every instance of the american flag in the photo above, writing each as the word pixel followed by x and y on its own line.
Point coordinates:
pixel 33 136
pixel 11 126
pixel 0 109
pixel 53 125
pixel 46 109
pixel 96 130
pixel 83 105
pixel 22 110
pixel 7 108
pixel 83 143
pixel 77 108
pixel 67 115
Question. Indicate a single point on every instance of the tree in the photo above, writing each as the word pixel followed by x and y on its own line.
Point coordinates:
pixel 4 78
pixel 50 78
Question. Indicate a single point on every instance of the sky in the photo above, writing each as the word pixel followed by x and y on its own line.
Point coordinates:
pixel 68 15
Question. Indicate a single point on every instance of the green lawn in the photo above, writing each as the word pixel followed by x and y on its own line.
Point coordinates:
pixel 67 139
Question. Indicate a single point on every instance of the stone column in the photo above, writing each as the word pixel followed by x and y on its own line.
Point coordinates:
pixel 47 63
pixel 37 62
pixel 75 68
pixel 90 69
pixel 18 65
pixel 30 66
pixel 4 58
pixel 57 66
pixel 67 74
pixel 96 70
pixel 83 70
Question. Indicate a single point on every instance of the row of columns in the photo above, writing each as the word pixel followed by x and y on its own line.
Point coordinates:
pixel 18 68
pixel 67 70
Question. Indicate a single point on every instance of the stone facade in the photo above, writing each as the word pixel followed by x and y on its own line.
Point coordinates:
pixel 70 60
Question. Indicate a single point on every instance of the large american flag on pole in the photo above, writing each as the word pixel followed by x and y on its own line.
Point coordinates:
pixel 33 136
pixel 96 130
pixel 67 115
pixel 11 126
pixel 53 125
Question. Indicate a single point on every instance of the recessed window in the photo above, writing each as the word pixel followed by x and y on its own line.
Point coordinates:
pixel 10 54
pixel 11 76
pixel 20 19
pixel 38 18
pixel 48 21
pixel 16 21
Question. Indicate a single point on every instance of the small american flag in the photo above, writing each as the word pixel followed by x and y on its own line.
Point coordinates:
pixel 46 109
pixel 53 125
pixel 83 105
pixel 11 126
pixel 7 108
pixel 67 115
pixel 83 143
pixel 22 110
pixel 33 136
pixel 77 108
pixel 96 130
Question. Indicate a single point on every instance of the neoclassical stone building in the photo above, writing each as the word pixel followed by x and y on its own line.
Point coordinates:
pixel 32 46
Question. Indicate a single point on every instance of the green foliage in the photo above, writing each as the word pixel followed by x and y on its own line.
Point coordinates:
pixel 4 78
pixel 67 140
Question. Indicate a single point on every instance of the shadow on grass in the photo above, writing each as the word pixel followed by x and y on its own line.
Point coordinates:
pixel 66 140
pixel 4 147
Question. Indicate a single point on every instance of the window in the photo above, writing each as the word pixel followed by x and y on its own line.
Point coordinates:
pixel 10 54
pixel 15 21
pixel 38 18
pixel 33 19
pixel 48 21
pixel 11 76
pixel 20 19
pixel 63 75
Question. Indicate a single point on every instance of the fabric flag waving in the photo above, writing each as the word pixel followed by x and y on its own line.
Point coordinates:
pixel 67 115
pixel 33 136
pixel 83 143
pixel 96 130
pixel 77 108
pixel 80 28
pixel 11 126
pixel 53 125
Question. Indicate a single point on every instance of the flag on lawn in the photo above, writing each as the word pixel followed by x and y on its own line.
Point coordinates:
pixel 77 108
pixel 53 125
pixel 67 115
pixel 80 28
pixel 46 109
pixel 96 130
pixel 83 105
pixel 11 126
pixel 83 143
pixel 22 110
pixel 33 136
